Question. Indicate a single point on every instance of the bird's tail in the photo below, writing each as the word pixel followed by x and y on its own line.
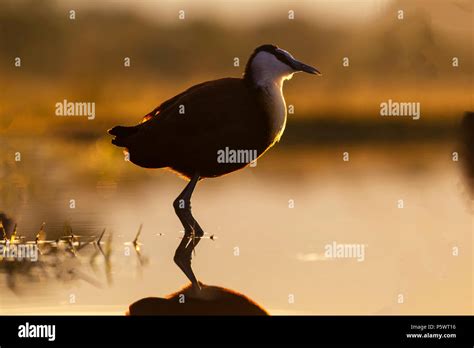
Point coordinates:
pixel 121 134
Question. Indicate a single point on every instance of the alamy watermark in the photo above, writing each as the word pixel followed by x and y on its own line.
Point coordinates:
pixel 28 330
pixel 393 108
pixel 334 251
pixel 237 156
pixel 337 250
pixel 66 108
pixel 19 252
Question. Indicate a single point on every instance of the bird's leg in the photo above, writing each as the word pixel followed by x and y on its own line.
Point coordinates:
pixel 192 231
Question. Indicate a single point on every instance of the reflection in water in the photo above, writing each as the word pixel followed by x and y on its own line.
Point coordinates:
pixel 273 223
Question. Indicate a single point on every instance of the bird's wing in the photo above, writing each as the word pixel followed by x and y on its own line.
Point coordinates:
pixel 210 107
pixel 170 102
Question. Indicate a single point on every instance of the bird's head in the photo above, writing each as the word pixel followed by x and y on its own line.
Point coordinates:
pixel 268 63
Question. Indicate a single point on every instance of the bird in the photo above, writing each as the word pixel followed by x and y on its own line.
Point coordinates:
pixel 200 132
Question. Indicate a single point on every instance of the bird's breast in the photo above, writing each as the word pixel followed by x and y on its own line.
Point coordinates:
pixel 275 109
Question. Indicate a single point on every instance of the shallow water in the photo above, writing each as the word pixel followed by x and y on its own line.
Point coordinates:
pixel 280 215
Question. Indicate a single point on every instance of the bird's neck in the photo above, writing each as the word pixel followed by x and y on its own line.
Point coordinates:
pixel 265 78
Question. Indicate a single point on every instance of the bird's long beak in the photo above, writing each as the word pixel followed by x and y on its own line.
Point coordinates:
pixel 299 66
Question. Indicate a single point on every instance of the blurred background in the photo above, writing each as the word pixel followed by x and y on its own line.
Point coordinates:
pixel 409 251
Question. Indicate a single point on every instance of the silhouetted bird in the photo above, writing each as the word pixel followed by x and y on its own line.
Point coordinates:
pixel 211 300
pixel 212 129
pixel 467 149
